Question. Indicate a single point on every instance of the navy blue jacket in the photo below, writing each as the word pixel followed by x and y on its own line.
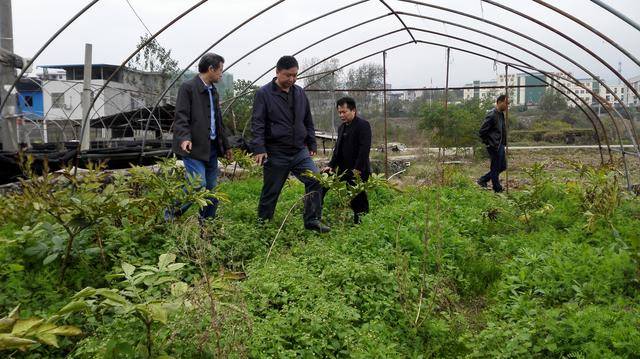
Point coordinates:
pixel 272 124
pixel 193 121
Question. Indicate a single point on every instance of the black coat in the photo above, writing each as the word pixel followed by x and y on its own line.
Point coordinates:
pixel 193 121
pixel 493 132
pixel 272 124
pixel 352 148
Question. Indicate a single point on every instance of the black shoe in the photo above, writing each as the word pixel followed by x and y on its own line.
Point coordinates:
pixel 317 226
pixel 481 184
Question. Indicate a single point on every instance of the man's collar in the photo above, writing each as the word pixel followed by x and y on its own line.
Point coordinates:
pixel 204 86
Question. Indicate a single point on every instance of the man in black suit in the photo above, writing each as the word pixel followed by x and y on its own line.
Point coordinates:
pixel 284 141
pixel 351 152
pixel 198 134
pixel 493 133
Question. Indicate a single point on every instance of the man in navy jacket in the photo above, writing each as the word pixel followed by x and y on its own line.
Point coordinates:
pixel 284 141
pixel 351 153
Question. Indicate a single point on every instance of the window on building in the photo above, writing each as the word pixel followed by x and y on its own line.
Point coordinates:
pixel 28 101
pixel 57 100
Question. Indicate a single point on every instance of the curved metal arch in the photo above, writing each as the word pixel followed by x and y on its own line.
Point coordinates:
pixel 246 90
pixel 617 13
pixel 399 19
pixel 42 48
pixel 122 65
pixel 173 82
pixel 227 68
pixel 590 28
pixel 586 49
pixel 503 62
pixel 516 32
pixel 490 49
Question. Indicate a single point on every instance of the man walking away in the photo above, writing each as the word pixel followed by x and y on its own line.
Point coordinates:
pixel 351 153
pixel 198 134
pixel 284 141
pixel 493 133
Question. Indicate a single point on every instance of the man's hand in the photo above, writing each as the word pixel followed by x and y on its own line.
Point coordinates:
pixel 186 146
pixel 312 153
pixel 260 158
pixel 326 169
pixel 229 155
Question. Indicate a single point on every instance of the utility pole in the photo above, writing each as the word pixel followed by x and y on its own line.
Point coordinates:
pixel 85 141
pixel 8 120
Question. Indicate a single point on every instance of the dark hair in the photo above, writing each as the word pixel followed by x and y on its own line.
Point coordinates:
pixel 351 103
pixel 501 98
pixel 286 62
pixel 209 60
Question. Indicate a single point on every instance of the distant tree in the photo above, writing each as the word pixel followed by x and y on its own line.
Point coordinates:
pixel 458 126
pixel 322 103
pixel 367 75
pixel 156 59
pixel 238 116
pixel 552 102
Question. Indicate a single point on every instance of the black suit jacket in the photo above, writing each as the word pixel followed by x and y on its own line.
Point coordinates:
pixel 353 152
pixel 192 120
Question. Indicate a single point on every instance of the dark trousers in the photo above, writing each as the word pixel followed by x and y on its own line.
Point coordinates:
pixel 498 165
pixel 276 171
pixel 359 204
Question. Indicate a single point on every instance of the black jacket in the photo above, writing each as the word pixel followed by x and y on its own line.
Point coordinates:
pixel 192 120
pixel 352 148
pixel 493 131
pixel 274 127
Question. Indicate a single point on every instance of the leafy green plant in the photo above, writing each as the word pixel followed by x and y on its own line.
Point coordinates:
pixel 601 193
pixel 24 334
pixel 141 294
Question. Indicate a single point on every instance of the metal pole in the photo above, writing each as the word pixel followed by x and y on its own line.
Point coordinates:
pixel 7 77
pixel 446 106
pixel 617 13
pixel 85 141
pixel 506 122
pixel 384 109
pixel 333 112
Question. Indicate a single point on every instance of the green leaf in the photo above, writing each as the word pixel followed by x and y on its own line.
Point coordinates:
pixel 163 280
pixel 67 331
pixel 72 307
pixel 111 295
pixel 48 338
pixel 22 327
pixel 50 258
pixel 8 341
pixel 6 323
pixel 86 292
pixel 165 260
pixel 128 269
pixel 175 266
pixel 158 313
pixel 179 289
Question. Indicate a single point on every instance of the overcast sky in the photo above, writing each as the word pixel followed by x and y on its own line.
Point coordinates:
pixel 114 31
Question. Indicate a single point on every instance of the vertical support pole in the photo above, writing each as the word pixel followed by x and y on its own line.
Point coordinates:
pixel 384 109
pixel 85 141
pixel 446 106
pixel 506 122
pixel 8 120
pixel 333 112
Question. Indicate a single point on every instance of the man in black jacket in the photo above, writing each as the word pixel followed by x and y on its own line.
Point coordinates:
pixel 493 133
pixel 284 141
pixel 198 134
pixel 351 153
